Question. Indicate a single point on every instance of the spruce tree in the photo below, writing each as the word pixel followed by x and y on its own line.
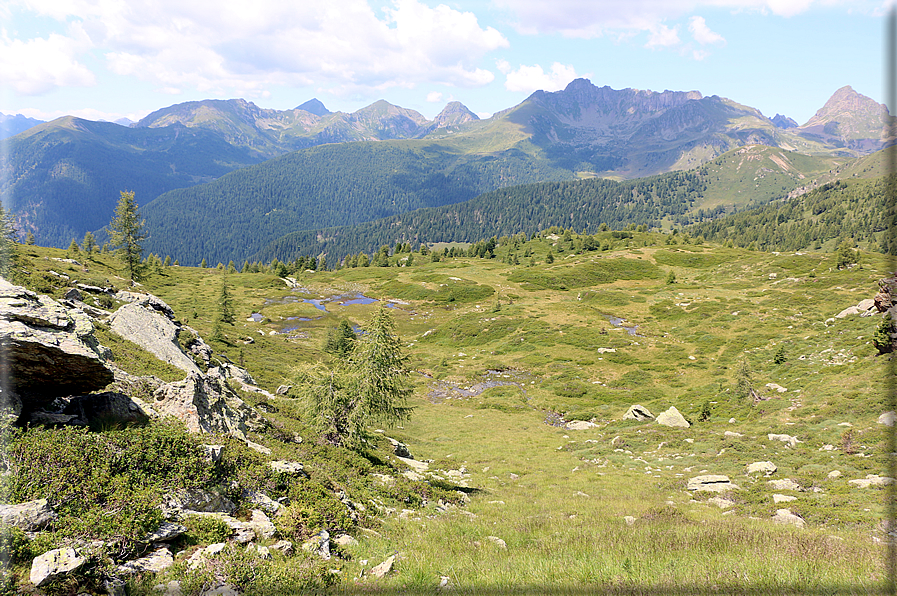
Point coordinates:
pixel 225 303
pixel 126 233
pixel 89 244
pixel 7 241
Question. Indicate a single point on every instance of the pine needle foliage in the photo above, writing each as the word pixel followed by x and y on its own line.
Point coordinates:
pixel 126 230
pixel 369 385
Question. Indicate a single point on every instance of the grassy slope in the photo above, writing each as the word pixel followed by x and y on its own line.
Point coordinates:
pixel 726 304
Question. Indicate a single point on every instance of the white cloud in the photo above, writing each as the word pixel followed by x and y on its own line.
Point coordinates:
pixel 574 18
pixel 702 33
pixel 246 47
pixel 434 97
pixel 35 66
pixel 85 113
pixel 533 78
pixel 663 36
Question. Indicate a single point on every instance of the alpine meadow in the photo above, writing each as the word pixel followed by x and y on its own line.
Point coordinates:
pixel 604 341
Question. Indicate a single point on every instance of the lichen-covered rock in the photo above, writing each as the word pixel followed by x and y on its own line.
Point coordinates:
pixel 49 350
pixel 194 499
pixel 637 412
pixel 150 324
pixel 30 516
pixel 672 418
pixel 158 560
pixel 206 405
pixel 54 565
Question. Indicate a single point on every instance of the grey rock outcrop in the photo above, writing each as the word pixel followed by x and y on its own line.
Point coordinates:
pixel 196 500
pixel 888 418
pixel 149 323
pixel 762 467
pixel 716 483
pixel 31 516
pixel 672 418
pixel 319 544
pixel 400 449
pixel 787 439
pixel 54 565
pixel 206 405
pixel 784 516
pixel 158 560
pixel 637 412
pixel 49 350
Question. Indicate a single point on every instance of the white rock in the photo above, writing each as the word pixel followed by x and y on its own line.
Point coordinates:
pixel 629 520
pixel 158 560
pixel 638 412
pixel 383 568
pixel 730 433
pixel 787 439
pixel 319 544
pixel 764 467
pixel 579 425
pixel 888 418
pixel 287 467
pixel 711 483
pixel 345 540
pixel 672 418
pixel 721 502
pixel 777 498
pixel 497 542
pixel 776 387
pixel 784 484
pixel 30 516
pixel 261 524
pixel 54 564
pixel 834 474
pixel 784 516
pixel 871 480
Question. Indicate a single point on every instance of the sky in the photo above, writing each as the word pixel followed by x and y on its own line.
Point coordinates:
pixel 112 59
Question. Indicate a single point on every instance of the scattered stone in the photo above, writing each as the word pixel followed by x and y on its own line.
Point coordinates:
pixel 413 476
pixel 784 516
pixel 345 540
pixel 497 542
pixel 192 500
pixel 167 531
pixel 283 546
pixel 730 433
pixel 765 467
pixel 834 474
pixel 319 544
pixel 672 418
pixel 872 480
pixel 787 439
pixel 30 516
pixel 172 588
pixel 221 589
pixel 262 551
pixel 261 524
pixel 399 449
pixel 265 503
pixel 158 560
pixel 214 452
pixel 777 498
pixel 721 502
pixel 776 387
pixel 283 389
pixel 888 418
pixel 579 425
pixel 629 520
pixel 638 412
pixel 383 568
pixel 54 565
pixel 256 447
pixel 716 483
pixel 784 484
pixel 293 468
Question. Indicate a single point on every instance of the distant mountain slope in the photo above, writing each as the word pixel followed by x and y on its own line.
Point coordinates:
pixel 11 125
pixel 848 119
pixel 240 213
pixel 65 176
pixel 757 173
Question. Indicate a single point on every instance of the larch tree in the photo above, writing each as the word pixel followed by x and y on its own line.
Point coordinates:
pixel 126 232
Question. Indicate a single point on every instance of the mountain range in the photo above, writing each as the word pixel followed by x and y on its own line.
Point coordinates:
pixel 209 167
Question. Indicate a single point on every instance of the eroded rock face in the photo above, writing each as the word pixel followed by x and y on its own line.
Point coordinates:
pixel 30 516
pixel 206 405
pixel 48 350
pixel 638 412
pixel 149 323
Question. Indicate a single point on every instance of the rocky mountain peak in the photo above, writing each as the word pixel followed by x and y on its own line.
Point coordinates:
pixel 454 113
pixel 849 115
pixel 783 121
pixel 314 106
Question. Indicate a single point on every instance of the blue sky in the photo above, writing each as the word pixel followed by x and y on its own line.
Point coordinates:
pixel 108 59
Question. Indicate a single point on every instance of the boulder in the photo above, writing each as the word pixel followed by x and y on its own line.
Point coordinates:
pixel 166 531
pixel 721 502
pixel 777 498
pixel 871 480
pixel 497 542
pixel 31 516
pixel 716 483
pixel 579 425
pixel 158 560
pixel 784 516
pixel 763 467
pixel 293 468
pixel 383 568
pixel 54 565
pixel 784 484
pixel 399 449
pixel 150 324
pixel 888 418
pixel 637 412
pixel 206 405
pixel 190 500
pixel 261 524
pixel 319 544
pixel 283 546
pixel 787 439
pixel 283 389
pixel 49 351
pixel 673 418
pixel 345 540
